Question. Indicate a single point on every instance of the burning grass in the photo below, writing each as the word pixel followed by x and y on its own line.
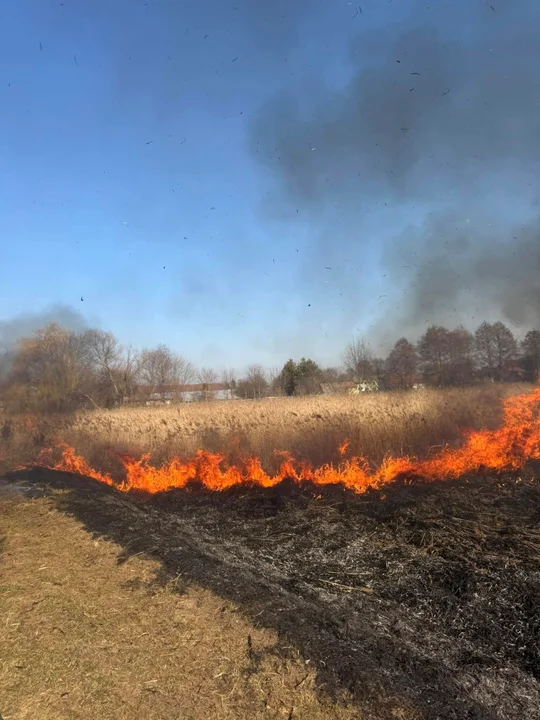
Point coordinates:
pixel 508 448
pixel 310 429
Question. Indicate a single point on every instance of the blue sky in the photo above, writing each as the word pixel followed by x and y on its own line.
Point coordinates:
pixel 130 175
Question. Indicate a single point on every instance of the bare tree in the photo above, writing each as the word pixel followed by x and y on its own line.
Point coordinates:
pixel 254 384
pixel 256 375
pixel 228 378
pixel 274 380
pixel 357 359
pixel 105 354
pixel 161 371
pixel 186 373
pixel 207 377
pixel 129 371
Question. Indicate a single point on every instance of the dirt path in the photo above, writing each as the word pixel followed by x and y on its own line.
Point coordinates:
pixel 88 632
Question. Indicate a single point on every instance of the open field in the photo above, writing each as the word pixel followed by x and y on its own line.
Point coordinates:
pixel 311 428
pixel 414 599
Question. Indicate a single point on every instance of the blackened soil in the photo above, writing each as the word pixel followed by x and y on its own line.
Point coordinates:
pixel 424 597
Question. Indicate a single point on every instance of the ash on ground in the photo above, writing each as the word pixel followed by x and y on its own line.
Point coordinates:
pixel 424 597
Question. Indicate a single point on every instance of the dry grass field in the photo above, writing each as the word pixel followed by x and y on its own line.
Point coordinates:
pixel 408 602
pixel 87 633
pixel 311 428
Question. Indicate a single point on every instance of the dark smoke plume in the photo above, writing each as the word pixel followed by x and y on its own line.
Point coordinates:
pixel 439 123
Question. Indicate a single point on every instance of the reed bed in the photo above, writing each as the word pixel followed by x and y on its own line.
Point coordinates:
pixel 310 428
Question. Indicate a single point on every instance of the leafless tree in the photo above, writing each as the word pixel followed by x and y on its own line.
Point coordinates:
pixel 357 359
pixel 207 377
pixel 228 378
pixel 256 376
pixel 58 369
pixel 254 384
pixel 129 371
pixel 274 380
pixel 185 370
pixel 161 370
pixel 105 354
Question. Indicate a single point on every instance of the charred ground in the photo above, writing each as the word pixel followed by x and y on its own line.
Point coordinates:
pixel 425 597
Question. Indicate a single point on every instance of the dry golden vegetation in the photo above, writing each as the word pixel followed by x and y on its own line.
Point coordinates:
pixel 224 605
pixel 311 428
pixel 86 634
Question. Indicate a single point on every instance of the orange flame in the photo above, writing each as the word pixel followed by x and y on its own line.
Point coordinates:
pixel 344 447
pixel 71 463
pixel 510 447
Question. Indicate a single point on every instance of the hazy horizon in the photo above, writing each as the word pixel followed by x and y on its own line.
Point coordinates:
pixel 253 182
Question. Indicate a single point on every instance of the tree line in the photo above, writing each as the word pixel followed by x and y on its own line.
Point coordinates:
pixel 56 369
pixel 441 358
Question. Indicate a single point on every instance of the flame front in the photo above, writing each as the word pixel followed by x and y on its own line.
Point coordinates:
pixel 510 447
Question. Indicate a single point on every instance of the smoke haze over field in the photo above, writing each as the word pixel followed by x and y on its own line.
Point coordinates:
pixel 260 180
pixel 442 120
pixel 24 325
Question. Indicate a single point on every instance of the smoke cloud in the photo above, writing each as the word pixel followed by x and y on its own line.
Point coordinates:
pixel 25 324
pixel 427 161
